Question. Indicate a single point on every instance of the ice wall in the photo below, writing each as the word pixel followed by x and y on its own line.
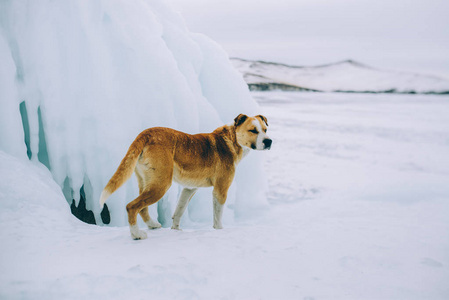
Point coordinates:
pixel 80 79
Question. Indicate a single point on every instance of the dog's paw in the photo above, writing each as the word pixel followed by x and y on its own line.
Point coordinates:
pixel 137 234
pixel 176 227
pixel 152 224
pixel 218 226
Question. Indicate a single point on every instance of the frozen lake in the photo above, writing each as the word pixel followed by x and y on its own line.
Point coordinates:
pixel 362 181
pixel 359 206
pixel 352 143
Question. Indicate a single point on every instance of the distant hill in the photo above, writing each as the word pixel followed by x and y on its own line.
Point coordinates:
pixel 346 76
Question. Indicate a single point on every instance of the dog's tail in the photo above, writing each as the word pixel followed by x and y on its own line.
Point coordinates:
pixel 124 170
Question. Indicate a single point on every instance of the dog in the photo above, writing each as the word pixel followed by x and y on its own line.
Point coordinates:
pixel 159 156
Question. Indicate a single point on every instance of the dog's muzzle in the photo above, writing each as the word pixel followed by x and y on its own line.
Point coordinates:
pixel 267 144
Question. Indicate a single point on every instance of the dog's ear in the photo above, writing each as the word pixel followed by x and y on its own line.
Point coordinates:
pixel 240 119
pixel 263 118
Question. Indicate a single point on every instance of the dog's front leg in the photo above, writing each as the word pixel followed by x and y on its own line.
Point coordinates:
pixel 218 213
pixel 220 194
pixel 184 200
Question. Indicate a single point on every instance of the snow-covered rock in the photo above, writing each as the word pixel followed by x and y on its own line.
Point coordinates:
pixel 345 76
pixel 81 79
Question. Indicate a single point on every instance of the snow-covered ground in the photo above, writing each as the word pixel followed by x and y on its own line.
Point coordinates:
pixel 345 76
pixel 359 205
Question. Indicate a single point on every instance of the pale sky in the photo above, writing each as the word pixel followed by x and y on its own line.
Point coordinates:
pixel 396 34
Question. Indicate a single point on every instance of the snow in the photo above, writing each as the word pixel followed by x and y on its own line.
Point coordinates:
pixel 91 75
pixel 10 141
pixel 347 76
pixel 358 206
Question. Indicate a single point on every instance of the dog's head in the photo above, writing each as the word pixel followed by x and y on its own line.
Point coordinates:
pixel 252 132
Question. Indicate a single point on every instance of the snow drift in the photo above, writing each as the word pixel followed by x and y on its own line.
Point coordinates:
pixel 345 76
pixel 80 79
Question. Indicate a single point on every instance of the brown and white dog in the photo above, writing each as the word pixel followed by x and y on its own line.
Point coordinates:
pixel 160 155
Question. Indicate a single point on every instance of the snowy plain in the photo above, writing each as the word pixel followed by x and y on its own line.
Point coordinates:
pixel 359 199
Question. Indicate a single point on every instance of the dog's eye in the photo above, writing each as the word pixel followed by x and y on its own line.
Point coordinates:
pixel 254 131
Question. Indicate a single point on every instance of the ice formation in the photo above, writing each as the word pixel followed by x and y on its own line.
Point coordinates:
pixel 80 79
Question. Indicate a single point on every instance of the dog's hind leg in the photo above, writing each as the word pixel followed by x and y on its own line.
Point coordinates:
pixel 143 201
pixel 153 192
pixel 183 201
pixel 152 224
pixel 155 175
pixel 139 181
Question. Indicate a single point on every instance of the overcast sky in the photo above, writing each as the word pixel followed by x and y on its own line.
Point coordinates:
pixel 396 34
